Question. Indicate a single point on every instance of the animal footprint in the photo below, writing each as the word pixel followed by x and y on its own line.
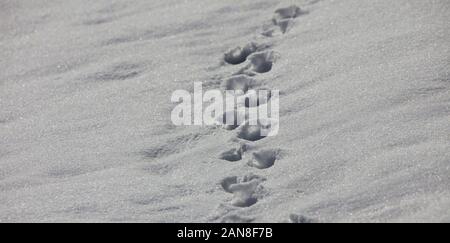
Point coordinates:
pixel 244 190
pixel 261 62
pixel 290 12
pixel 264 159
pixel 240 82
pixel 234 154
pixel 231 155
pixel 239 55
pixel 254 130
pixel 250 132
pixel 283 19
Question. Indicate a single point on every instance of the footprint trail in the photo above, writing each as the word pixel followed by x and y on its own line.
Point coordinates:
pixel 260 59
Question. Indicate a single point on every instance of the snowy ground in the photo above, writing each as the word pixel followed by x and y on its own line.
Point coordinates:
pixel 85 130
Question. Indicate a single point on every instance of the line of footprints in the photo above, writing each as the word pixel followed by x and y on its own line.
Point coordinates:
pixel 256 59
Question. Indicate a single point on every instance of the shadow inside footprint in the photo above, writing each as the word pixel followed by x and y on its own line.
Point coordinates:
pixel 264 159
pixel 261 62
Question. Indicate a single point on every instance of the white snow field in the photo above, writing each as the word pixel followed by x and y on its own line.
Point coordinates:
pixel 86 135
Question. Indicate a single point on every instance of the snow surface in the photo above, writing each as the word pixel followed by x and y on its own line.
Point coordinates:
pixel 86 136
